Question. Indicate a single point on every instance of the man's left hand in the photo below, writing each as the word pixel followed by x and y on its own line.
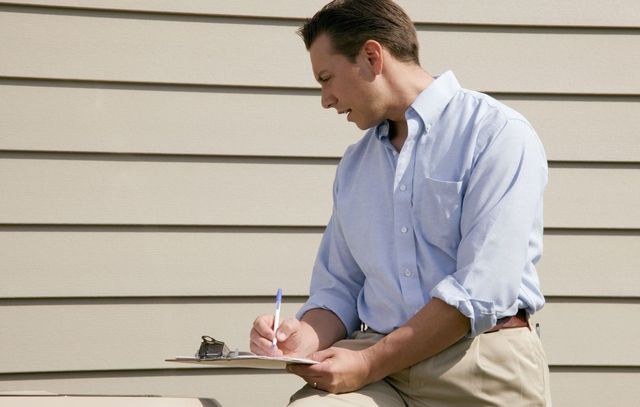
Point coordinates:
pixel 340 370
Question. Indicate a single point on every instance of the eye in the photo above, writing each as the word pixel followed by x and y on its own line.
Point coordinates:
pixel 324 79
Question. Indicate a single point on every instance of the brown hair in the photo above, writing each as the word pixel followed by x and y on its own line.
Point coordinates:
pixel 350 23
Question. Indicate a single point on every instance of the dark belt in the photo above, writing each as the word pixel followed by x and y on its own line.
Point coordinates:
pixel 520 320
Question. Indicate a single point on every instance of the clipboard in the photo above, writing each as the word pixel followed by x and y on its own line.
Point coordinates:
pixel 216 353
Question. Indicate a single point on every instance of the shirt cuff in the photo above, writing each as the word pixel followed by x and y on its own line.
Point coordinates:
pixel 344 310
pixel 481 314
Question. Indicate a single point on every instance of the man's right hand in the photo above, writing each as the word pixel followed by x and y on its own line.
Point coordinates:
pixel 293 338
pixel 318 329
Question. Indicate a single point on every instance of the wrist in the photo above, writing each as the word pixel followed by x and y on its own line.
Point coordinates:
pixel 309 338
pixel 375 364
pixel 325 326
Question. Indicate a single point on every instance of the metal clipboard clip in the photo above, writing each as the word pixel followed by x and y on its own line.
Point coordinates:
pixel 212 349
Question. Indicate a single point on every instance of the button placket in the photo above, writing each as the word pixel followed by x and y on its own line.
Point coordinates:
pixel 407 269
pixel 405 246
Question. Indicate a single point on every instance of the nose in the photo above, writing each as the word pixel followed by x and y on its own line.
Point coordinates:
pixel 327 100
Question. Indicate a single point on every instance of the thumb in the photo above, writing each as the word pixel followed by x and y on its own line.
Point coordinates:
pixel 323 355
pixel 287 328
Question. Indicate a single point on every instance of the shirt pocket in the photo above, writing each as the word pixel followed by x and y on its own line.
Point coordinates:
pixel 437 207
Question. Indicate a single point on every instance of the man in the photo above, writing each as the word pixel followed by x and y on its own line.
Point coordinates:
pixel 435 230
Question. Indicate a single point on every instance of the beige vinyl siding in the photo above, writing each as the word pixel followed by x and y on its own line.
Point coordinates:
pixel 159 328
pixel 165 165
pixel 127 118
pixel 152 261
pixel 272 388
pixel 620 13
pixel 188 49
pixel 65 189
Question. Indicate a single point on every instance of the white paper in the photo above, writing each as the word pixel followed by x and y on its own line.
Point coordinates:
pixel 246 360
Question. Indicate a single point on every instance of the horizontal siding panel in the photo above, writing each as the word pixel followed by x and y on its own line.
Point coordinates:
pixel 96 46
pixel 583 129
pixel 589 387
pixel 49 400
pixel 598 264
pixel 144 333
pixel 533 61
pixel 573 198
pixel 156 263
pixel 120 191
pixel 170 121
pixel 140 262
pixel 180 120
pixel 71 191
pixel 575 388
pixel 65 190
pixel 565 325
pixel 229 388
pixel 131 335
pixel 625 13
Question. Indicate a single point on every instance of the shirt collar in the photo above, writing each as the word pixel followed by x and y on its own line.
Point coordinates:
pixel 430 103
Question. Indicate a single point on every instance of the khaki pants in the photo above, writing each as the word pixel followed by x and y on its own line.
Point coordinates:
pixel 503 368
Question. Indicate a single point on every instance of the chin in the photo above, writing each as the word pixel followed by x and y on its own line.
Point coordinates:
pixel 365 126
pixel 361 126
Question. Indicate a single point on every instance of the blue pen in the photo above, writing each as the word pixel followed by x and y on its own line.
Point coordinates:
pixel 276 319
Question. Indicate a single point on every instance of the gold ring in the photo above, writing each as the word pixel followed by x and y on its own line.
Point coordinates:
pixel 315 385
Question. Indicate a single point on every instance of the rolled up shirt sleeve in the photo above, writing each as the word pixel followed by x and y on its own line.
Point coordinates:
pixel 501 209
pixel 337 279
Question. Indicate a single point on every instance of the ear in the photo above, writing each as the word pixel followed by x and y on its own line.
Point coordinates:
pixel 372 54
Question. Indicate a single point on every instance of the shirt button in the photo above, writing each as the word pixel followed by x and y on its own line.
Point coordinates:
pixel 407 273
pixel 404 229
pixel 403 187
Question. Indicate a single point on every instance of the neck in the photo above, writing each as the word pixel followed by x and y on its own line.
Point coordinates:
pixel 406 83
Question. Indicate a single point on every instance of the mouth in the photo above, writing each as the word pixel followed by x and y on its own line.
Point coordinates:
pixel 346 111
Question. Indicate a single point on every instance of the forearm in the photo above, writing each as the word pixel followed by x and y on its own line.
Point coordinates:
pixel 433 329
pixel 323 328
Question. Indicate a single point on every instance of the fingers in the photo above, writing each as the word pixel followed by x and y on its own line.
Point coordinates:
pixel 261 337
pixel 313 371
pixel 315 377
pixel 262 346
pixel 339 371
pixel 322 355
pixel 289 334
pixel 308 373
pixel 263 325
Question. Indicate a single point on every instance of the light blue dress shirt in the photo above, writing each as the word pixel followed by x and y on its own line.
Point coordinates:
pixel 455 215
